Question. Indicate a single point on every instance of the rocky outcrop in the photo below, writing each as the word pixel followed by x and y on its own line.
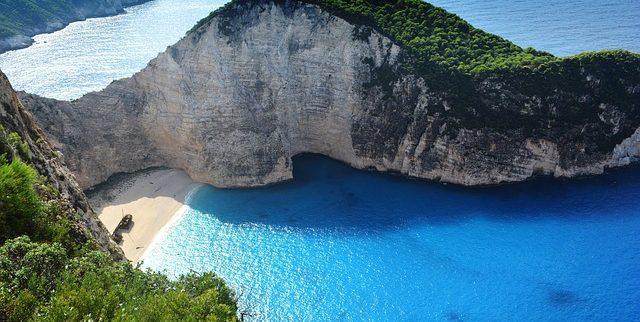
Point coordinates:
pixel 27 19
pixel 73 203
pixel 262 81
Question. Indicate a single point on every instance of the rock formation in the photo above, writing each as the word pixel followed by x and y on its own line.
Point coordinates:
pixel 261 81
pixel 85 224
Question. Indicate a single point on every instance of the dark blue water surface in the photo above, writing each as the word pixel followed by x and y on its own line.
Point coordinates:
pixel 343 244
pixel 561 27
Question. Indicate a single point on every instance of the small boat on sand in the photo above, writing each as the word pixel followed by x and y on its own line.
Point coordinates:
pixel 124 224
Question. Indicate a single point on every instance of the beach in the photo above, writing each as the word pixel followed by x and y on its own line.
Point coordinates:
pixel 155 198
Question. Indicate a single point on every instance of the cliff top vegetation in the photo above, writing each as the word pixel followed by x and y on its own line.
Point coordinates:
pixel 16 16
pixel 433 36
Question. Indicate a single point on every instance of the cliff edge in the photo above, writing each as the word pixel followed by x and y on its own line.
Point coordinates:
pixel 38 153
pixel 260 81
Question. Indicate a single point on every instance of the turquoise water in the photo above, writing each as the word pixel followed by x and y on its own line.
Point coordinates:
pixel 341 244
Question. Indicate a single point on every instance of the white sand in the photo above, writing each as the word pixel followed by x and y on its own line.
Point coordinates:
pixel 154 198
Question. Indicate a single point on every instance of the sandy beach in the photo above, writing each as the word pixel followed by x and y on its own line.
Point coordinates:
pixel 152 197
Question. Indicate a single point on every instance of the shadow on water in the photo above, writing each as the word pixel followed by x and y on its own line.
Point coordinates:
pixel 329 194
pixel 562 298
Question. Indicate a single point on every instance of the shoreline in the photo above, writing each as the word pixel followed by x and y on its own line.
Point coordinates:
pixel 156 199
pixel 26 40
pixel 175 219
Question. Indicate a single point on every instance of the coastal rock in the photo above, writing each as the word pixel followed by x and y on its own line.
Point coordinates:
pixel 15 42
pixel 240 95
pixel 46 160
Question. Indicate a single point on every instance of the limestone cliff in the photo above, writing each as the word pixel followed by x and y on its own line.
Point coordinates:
pixel 261 81
pixel 41 155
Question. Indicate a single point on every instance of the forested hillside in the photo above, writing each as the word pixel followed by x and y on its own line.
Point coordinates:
pixel 21 19
pixel 436 38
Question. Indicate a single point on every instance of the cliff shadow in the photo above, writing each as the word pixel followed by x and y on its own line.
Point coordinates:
pixel 327 194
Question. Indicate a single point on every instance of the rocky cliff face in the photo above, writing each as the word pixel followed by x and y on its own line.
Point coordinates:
pixel 240 95
pixel 86 226
pixel 26 19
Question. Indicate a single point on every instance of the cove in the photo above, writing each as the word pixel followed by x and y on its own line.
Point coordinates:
pixel 342 244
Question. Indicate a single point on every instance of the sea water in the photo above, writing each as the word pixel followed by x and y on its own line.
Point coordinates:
pixel 340 244
pixel 88 55
pixel 562 27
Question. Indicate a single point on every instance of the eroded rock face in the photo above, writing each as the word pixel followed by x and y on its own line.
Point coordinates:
pixel 236 99
pixel 85 224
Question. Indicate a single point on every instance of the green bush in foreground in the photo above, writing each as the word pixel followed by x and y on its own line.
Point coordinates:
pixel 20 204
pixel 40 281
pixel 46 275
pixel 22 210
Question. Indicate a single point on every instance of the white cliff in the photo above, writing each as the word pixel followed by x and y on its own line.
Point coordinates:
pixel 238 97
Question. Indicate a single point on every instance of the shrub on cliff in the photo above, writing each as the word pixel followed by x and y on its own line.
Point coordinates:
pixel 22 210
pixel 50 276
pixel 41 281
pixel 434 35
pixel 19 202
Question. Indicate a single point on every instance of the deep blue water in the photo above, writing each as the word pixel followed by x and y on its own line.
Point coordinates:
pixel 561 27
pixel 341 244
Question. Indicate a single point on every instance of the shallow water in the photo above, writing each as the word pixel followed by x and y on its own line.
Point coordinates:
pixel 342 244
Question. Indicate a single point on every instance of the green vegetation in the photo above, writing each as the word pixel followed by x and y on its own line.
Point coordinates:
pixel 46 275
pixel 434 35
pixel 22 210
pixel 17 16
pixel 436 39
pixel 40 281
pixel 20 205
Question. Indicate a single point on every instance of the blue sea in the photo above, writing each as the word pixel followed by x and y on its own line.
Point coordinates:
pixel 340 244
pixel 87 56
pixel 561 27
